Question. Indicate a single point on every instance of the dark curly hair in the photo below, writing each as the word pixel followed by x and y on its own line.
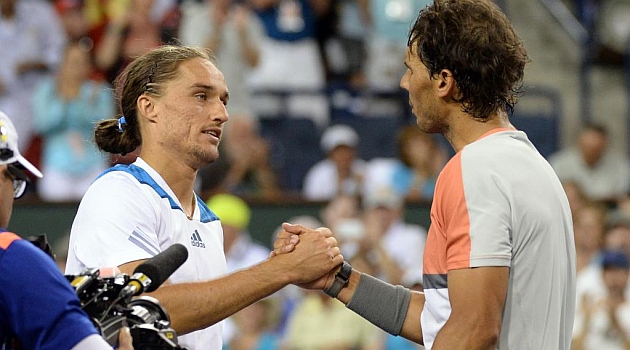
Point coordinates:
pixel 476 42
pixel 147 74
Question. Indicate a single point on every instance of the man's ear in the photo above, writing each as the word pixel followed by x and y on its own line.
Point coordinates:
pixel 447 85
pixel 146 107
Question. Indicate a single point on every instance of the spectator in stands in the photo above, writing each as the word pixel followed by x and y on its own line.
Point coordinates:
pixel 390 243
pixel 290 60
pixel 132 31
pixel 340 208
pixel 341 172
pixel 353 24
pixel 389 22
pixel 589 230
pixel 575 195
pixel 616 238
pixel 255 325
pixel 244 167
pixel 233 33
pixel 422 160
pixel 604 322
pixel 602 173
pixel 32 41
pixel 74 21
pixel 618 233
pixel 66 108
pixel 319 322
pixel 611 30
pixel 413 175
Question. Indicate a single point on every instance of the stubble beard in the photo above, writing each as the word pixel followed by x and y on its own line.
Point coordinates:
pixel 201 157
pixel 431 123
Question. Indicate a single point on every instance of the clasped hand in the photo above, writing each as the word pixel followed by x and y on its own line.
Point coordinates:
pixel 314 252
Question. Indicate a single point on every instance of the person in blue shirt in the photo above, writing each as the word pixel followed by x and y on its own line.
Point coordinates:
pixel 66 107
pixel 39 309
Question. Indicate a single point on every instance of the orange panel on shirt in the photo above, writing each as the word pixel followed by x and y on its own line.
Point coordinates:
pixel 6 238
pixel 448 243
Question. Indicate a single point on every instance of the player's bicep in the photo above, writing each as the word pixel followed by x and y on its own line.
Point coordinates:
pixel 478 294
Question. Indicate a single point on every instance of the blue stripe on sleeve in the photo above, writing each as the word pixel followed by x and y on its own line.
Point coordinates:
pixel 144 178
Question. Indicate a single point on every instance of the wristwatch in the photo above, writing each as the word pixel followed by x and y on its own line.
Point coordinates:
pixel 341 280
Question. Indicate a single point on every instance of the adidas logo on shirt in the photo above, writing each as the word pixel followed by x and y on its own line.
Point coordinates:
pixel 195 240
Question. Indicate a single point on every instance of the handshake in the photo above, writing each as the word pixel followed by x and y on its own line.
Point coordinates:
pixel 311 258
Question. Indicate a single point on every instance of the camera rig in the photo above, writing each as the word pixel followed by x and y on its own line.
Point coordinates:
pixel 110 309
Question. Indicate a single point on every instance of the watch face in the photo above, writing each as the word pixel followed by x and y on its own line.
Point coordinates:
pixel 345 271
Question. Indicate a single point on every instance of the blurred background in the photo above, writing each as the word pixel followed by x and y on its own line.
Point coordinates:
pixel 321 133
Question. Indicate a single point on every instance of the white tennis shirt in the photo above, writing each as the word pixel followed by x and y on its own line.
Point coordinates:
pixel 129 213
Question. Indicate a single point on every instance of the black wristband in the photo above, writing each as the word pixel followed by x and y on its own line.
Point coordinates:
pixel 341 280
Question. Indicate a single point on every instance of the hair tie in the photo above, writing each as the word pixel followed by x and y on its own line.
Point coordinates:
pixel 121 123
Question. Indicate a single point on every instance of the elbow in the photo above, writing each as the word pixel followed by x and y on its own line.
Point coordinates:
pixel 488 336
pixel 491 342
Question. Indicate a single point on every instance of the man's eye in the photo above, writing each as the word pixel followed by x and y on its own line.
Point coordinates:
pixel 201 96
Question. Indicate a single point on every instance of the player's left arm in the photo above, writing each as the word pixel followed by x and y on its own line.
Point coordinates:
pixel 477 297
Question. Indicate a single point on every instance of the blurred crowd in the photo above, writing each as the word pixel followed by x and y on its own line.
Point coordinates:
pixel 325 62
pixel 334 66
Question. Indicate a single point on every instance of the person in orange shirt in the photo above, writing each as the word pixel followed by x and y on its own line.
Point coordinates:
pixel 499 261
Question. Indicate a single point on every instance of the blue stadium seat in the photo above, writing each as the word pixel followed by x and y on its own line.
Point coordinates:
pixel 377 136
pixel 294 148
pixel 538 114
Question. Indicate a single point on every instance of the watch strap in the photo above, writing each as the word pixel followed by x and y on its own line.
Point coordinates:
pixel 340 281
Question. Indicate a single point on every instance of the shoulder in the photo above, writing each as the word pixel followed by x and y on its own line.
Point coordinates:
pixel 118 192
pixel 7 238
pixel 114 182
pixel 564 156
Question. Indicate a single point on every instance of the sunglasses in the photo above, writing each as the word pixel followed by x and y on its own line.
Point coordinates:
pixel 20 180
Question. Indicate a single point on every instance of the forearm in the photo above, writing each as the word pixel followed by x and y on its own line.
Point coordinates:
pixel 214 40
pixel 235 175
pixel 109 49
pixel 388 295
pixel 249 52
pixel 266 180
pixel 195 306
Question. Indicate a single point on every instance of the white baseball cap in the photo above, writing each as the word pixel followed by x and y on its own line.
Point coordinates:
pixel 9 152
pixel 339 135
